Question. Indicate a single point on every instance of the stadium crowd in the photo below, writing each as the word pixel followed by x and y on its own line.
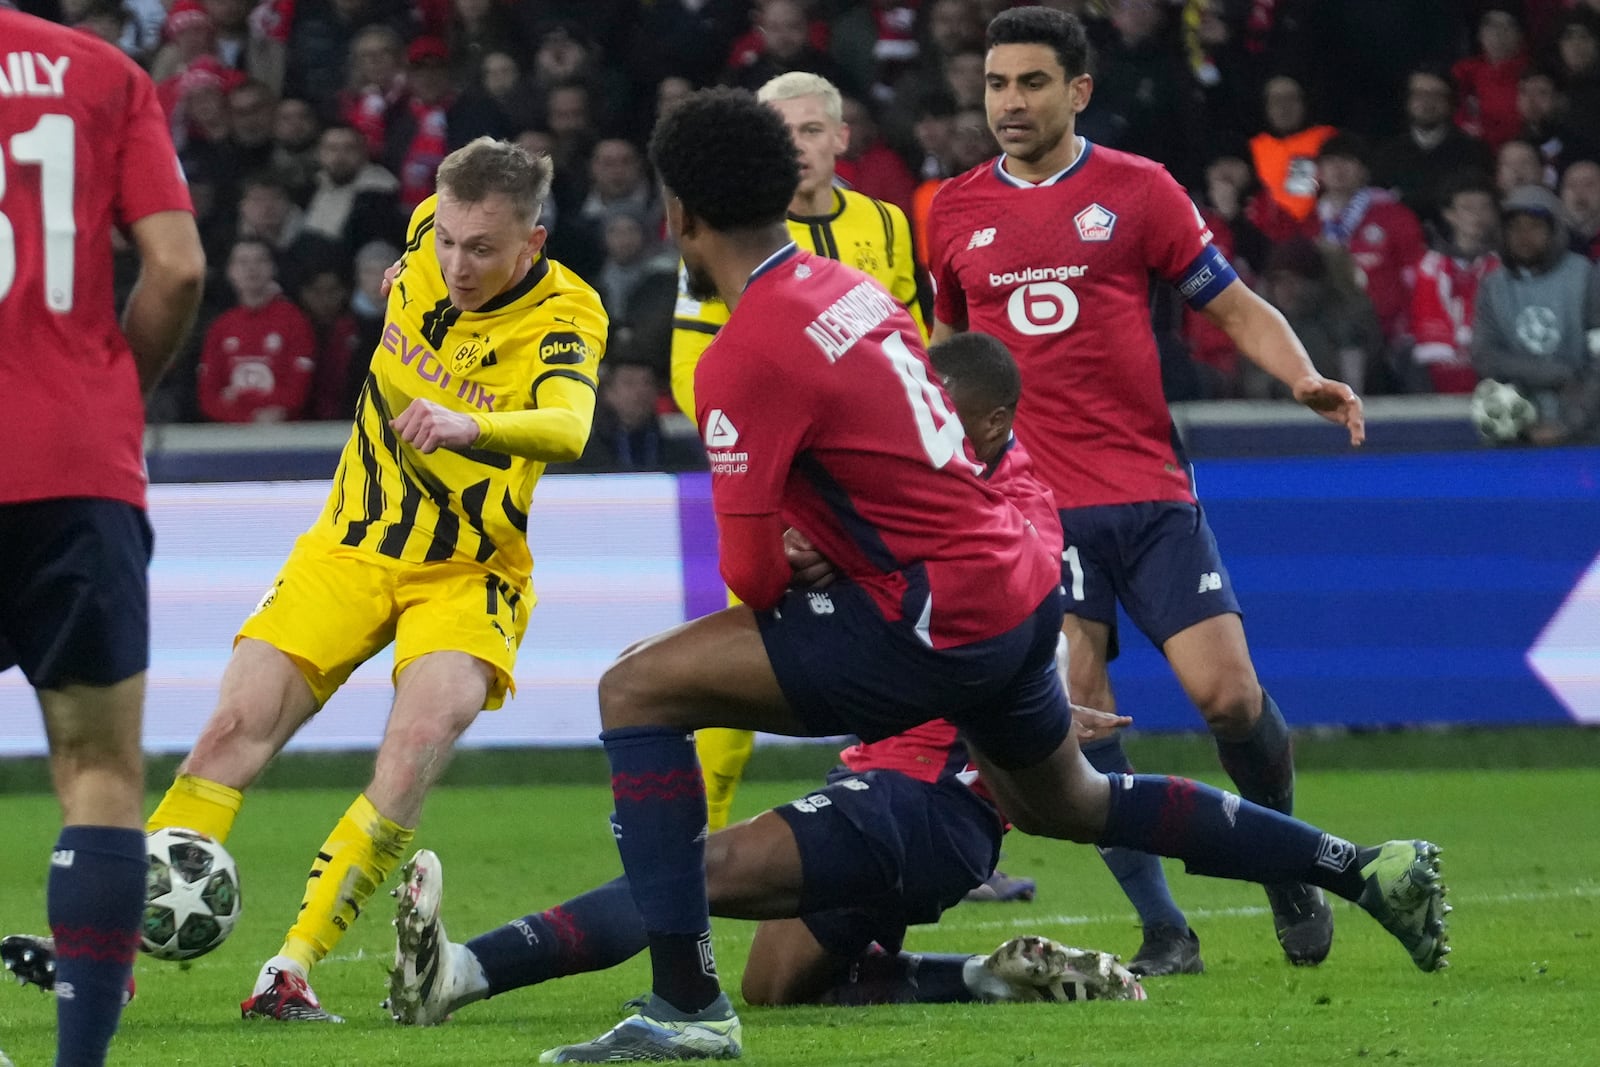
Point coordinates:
pixel 1414 183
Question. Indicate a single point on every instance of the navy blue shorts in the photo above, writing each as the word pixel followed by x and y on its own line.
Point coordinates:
pixel 74 591
pixel 881 851
pixel 846 670
pixel 1159 559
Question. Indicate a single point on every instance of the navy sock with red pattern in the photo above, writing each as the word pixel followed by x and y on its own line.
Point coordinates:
pixel 1218 834
pixel 592 932
pixel 95 900
pixel 660 827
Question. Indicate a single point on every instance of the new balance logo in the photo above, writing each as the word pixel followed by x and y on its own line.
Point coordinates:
pixel 720 431
pixel 821 603
pixel 1210 582
pixel 980 238
pixel 62 857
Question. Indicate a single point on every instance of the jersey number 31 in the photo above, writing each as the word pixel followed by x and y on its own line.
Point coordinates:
pixel 49 146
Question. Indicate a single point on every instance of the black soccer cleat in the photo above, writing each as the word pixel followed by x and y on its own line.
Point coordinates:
pixel 32 959
pixel 1303 920
pixel 1168 949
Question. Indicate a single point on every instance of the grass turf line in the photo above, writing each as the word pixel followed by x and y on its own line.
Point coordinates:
pixel 1522 987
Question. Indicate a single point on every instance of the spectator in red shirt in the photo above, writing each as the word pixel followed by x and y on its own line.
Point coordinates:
pixel 870 165
pixel 258 357
pixel 377 83
pixel 1487 101
pixel 1381 234
pixel 336 381
pixel 1446 293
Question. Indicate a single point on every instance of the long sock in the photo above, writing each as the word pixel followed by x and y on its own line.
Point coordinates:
pixel 198 804
pixel 905 978
pixel 660 827
pixel 592 932
pixel 1262 765
pixel 723 754
pixel 1218 834
pixel 1138 873
pixel 359 856
pixel 95 900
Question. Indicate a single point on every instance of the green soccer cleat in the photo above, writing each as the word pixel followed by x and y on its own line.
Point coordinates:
pixel 1405 894
pixel 658 1032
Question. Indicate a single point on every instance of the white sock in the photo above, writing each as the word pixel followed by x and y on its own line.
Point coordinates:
pixel 984 983
pixel 467 982
pixel 276 963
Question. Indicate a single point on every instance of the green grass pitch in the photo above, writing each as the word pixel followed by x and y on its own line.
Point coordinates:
pixel 1522 858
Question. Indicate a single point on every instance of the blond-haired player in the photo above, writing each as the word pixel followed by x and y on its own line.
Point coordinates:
pixel 484 373
pixel 831 221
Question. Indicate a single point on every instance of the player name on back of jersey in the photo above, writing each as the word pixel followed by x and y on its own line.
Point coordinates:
pixel 33 74
pixel 850 318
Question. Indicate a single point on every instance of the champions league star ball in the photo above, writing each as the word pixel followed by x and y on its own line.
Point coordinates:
pixel 1501 413
pixel 191 895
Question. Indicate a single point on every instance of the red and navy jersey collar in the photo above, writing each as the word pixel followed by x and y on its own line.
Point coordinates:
pixel 777 258
pixel 1086 148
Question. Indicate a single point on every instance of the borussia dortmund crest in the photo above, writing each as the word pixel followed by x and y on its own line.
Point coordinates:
pixel 469 354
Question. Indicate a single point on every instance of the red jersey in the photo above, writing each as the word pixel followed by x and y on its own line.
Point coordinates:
pixel 257 358
pixel 842 430
pixel 1060 272
pixel 1386 241
pixel 84 148
pixel 935 750
pixel 1442 306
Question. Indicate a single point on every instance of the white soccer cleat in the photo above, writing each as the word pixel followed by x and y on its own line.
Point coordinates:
pixel 428 981
pixel 1037 968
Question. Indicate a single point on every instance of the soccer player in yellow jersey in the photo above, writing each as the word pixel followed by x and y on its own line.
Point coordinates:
pixel 841 224
pixel 484 373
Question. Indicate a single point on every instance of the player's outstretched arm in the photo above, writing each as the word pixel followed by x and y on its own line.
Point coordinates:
pixel 161 309
pixel 942 331
pixel 1262 334
pixel 555 432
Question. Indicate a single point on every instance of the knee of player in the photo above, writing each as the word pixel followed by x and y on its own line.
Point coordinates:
pixel 1231 704
pixel 623 692
pixel 767 987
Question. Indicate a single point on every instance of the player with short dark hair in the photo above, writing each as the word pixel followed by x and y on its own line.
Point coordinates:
pixel 840 223
pixel 85 152
pixel 1018 246
pixel 821 414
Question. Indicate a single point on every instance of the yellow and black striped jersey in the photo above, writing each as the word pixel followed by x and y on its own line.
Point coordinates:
pixel 864 233
pixel 537 345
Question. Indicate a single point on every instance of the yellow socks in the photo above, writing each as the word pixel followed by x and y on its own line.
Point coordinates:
pixel 723 755
pixel 358 857
pixel 197 804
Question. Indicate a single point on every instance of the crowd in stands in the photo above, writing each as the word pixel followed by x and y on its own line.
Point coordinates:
pixel 1414 183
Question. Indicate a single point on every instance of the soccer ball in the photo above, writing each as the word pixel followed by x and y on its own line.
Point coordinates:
pixel 191 895
pixel 1501 413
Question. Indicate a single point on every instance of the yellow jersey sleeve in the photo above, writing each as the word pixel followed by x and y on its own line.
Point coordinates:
pixel 694 326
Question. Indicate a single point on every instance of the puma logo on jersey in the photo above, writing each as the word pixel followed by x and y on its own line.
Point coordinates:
pixel 1210 582
pixel 720 431
pixel 981 238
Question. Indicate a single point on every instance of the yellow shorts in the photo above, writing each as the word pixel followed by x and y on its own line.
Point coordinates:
pixel 333 608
